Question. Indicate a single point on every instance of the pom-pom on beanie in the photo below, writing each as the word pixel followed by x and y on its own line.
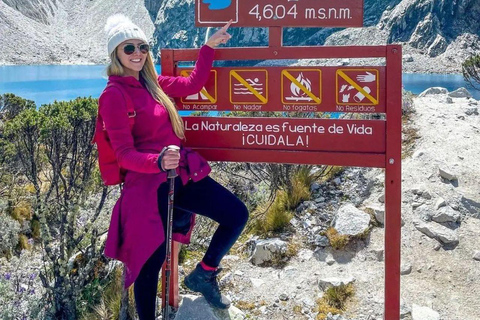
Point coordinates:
pixel 120 28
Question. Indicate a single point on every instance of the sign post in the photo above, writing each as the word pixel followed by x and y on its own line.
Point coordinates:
pixel 359 90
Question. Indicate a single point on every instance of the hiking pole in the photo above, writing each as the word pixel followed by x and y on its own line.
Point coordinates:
pixel 171 178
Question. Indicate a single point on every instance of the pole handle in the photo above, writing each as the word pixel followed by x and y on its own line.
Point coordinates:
pixel 172 173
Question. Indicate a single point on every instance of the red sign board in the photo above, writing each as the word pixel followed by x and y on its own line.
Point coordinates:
pixel 361 143
pixel 287 13
pixel 286 134
pixel 290 89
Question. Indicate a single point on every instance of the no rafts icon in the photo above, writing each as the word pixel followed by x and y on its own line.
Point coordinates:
pixel 217 4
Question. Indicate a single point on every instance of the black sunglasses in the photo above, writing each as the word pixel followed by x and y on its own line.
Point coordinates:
pixel 130 48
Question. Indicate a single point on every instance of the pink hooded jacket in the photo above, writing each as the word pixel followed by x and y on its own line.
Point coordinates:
pixel 136 229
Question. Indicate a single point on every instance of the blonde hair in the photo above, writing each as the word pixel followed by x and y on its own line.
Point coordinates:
pixel 149 74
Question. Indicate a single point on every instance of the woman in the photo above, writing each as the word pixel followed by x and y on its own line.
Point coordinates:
pixel 137 234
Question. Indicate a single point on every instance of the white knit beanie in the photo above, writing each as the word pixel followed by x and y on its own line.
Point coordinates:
pixel 120 28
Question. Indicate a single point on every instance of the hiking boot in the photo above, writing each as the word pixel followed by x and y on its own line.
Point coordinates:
pixel 205 282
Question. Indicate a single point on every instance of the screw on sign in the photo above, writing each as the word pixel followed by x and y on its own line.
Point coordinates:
pixel 301 86
pixel 249 86
pixel 288 13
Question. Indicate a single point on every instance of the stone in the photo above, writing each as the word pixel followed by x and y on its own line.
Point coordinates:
pixel 308 302
pixel 424 212
pixel 460 93
pixel 231 258
pixel 448 100
pixel 417 154
pixel 424 313
pixel 321 241
pixel 476 256
pixel 405 269
pixel 326 283
pixel 377 254
pixel 440 203
pixel 446 214
pixel 408 58
pixel 226 279
pixel 197 308
pixel 378 212
pixel 405 311
pixel 266 250
pixel 305 254
pixel 433 91
pixel 329 260
pixel 239 273
pixel 470 111
pixel 437 231
pixel 283 297
pixel 381 198
pixel 315 186
pixel 446 173
pixel 351 221
pixel 257 282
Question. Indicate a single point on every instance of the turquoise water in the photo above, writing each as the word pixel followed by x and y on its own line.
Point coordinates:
pixel 44 84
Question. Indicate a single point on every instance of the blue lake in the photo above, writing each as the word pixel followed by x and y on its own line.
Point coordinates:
pixel 44 84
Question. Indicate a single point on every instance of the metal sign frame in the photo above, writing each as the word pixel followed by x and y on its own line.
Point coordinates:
pixel 390 160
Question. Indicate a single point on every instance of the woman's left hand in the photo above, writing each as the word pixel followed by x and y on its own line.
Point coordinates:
pixel 221 36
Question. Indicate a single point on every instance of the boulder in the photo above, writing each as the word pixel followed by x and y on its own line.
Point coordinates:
pixel 446 214
pixel 326 283
pixel 433 91
pixel 437 231
pixel 351 221
pixel 460 93
pixel 447 173
pixel 470 111
pixel 197 308
pixel 266 250
pixel 424 313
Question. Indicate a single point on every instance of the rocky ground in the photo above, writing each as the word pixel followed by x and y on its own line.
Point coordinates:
pixel 440 248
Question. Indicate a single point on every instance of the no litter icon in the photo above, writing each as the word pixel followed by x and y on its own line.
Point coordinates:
pixel 357 87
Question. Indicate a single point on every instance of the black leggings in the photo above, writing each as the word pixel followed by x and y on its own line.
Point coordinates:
pixel 207 198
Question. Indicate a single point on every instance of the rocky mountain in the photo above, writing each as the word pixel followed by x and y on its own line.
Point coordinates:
pixel 71 32
pixel 42 11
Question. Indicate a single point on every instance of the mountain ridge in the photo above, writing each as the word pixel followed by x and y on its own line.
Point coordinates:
pixel 71 32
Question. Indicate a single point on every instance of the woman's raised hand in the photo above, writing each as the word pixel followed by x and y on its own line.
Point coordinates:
pixel 221 36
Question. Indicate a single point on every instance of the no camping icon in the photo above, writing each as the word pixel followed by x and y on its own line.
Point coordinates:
pixel 357 87
pixel 208 94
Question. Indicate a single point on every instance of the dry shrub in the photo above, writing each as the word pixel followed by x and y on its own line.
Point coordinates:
pixel 337 241
pixel 334 300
